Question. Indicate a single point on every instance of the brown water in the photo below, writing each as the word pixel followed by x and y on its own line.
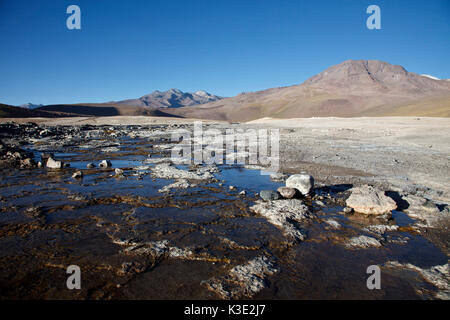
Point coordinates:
pixel 48 221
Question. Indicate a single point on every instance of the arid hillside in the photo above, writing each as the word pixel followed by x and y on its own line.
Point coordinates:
pixel 353 88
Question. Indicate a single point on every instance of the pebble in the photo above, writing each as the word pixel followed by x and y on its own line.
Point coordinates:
pixel 287 192
pixel 348 210
pixel 53 164
pixel 77 174
pixel 269 195
pixel 105 164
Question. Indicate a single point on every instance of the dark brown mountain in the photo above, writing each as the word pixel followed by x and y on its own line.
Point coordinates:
pixel 105 110
pixel 8 111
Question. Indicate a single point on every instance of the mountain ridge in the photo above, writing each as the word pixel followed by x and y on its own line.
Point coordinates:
pixel 349 89
pixel 353 88
pixel 172 98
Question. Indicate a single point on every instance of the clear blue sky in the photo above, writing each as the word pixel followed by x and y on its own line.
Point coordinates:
pixel 126 49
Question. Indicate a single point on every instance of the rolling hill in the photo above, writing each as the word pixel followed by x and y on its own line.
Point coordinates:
pixel 8 111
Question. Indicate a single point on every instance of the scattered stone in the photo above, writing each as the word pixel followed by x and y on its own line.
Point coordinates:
pixel 439 276
pixel 156 249
pixel 77 197
pixel 53 164
pixel 133 267
pixel 167 171
pixel 268 195
pixel 369 200
pixel 348 210
pixel 180 184
pixel 39 164
pixel 105 164
pixel 278 176
pixel 34 212
pixel 110 149
pixel 424 210
pixel 287 193
pixel 45 156
pixel 118 171
pixel 90 165
pixel 363 242
pixel 285 214
pixel 243 281
pixel 27 163
pixel 303 182
pixel 77 174
pixel 320 203
pixel 333 223
pixel 381 228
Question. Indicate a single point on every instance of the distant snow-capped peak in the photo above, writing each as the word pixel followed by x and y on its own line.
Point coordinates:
pixel 202 93
pixel 431 77
pixel 30 105
pixel 172 98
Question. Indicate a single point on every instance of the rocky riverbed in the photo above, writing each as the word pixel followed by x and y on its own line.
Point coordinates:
pixel 142 224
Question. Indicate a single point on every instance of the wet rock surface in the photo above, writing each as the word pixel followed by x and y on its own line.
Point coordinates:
pixel 147 227
pixel 269 195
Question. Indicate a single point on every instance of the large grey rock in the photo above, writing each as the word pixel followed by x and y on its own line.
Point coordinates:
pixel 269 195
pixel 53 164
pixel 303 182
pixel 369 200
pixel 287 192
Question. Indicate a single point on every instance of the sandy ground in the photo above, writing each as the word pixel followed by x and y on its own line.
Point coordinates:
pixel 397 152
pixel 405 152
pixel 116 120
